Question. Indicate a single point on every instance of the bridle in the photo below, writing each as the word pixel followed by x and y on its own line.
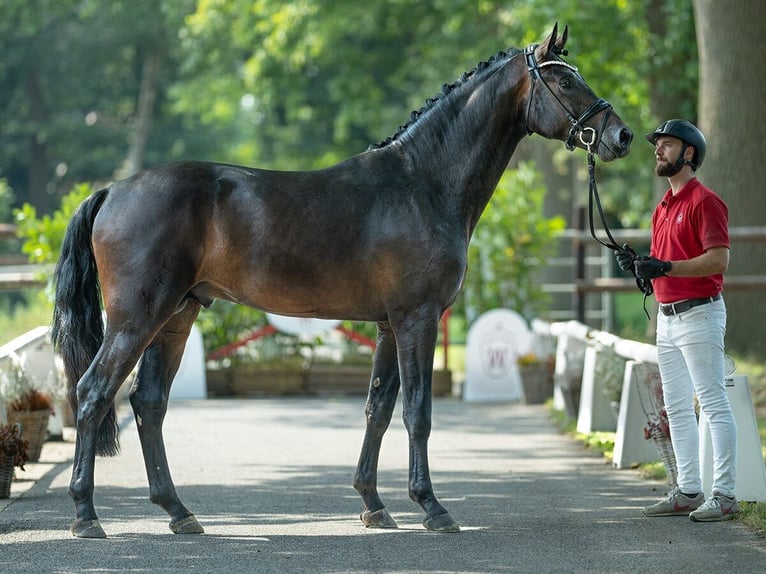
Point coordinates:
pixel 577 122
pixel 591 144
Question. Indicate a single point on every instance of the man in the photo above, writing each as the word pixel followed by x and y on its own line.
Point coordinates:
pixel 689 255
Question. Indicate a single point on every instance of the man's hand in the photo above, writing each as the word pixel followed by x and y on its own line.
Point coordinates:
pixel 625 257
pixel 651 267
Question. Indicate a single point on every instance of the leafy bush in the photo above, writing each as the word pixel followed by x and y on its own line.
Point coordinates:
pixel 510 246
pixel 44 235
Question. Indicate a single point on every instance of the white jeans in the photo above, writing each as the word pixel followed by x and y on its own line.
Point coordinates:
pixel 690 353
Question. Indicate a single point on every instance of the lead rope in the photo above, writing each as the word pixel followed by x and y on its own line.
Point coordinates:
pixel 644 285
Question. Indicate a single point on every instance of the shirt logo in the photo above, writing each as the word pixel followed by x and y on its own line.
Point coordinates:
pixel 679 219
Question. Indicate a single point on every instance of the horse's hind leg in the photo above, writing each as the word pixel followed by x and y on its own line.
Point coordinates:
pixel 384 388
pixel 95 394
pixel 149 399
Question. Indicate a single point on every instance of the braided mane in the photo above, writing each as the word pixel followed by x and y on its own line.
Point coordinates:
pixel 496 60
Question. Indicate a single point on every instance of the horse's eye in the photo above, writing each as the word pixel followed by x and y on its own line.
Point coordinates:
pixel 565 84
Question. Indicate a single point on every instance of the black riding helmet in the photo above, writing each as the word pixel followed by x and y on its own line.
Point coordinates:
pixel 688 133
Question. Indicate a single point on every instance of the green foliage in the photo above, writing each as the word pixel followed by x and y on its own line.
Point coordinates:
pixel 301 84
pixel 753 515
pixel 510 246
pixel 44 235
pixel 224 322
pixel 6 200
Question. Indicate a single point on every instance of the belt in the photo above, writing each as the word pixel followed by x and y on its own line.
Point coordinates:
pixel 681 306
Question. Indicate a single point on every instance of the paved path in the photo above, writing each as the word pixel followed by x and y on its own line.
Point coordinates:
pixel 270 479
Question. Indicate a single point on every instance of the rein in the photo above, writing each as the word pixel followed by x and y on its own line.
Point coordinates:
pixel 578 129
pixel 644 285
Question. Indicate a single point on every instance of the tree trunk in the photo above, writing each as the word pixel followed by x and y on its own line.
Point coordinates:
pixel 38 176
pixel 134 161
pixel 733 117
pixel 667 98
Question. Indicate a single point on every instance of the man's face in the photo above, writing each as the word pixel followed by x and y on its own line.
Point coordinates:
pixel 666 151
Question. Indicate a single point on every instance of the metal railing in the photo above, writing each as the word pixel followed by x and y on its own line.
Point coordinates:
pixel 15 270
pixel 592 272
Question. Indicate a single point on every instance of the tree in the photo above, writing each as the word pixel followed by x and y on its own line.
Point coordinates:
pixel 78 86
pixel 733 117
pixel 510 247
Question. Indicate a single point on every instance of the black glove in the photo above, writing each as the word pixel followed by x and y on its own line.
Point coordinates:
pixel 651 267
pixel 625 257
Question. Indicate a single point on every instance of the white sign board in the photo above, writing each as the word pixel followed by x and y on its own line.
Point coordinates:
pixel 494 343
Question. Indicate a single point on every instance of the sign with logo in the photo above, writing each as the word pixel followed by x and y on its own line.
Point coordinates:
pixel 494 343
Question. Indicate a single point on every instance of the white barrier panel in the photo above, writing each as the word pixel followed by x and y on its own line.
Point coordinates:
pixel 751 472
pixel 602 380
pixel 567 375
pixel 630 445
pixel 190 381
pixel 39 364
pixel 36 347
pixel 595 412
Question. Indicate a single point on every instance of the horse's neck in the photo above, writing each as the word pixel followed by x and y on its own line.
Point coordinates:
pixel 465 157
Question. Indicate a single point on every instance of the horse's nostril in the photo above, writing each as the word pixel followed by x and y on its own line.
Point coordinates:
pixel 626 136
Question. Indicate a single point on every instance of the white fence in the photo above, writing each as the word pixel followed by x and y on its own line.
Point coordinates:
pixel 611 384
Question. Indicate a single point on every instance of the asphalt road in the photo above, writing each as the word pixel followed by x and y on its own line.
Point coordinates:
pixel 270 481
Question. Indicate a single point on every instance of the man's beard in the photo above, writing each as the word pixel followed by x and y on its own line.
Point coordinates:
pixel 667 169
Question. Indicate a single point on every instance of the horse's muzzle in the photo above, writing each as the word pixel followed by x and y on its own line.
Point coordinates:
pixel 615 143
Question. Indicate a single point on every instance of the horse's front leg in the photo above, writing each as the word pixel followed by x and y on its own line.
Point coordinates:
pixel 149 400
pixel 416 342
pixel 381 399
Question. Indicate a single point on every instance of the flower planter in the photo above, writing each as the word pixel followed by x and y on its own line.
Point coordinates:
pixel 537 382
pixel 355 380
pixel 34 429
pixel 245 381
pixel 338 379
pixel 6 474
pixel 441 384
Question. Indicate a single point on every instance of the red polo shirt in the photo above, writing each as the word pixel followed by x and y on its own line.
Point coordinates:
pixel 684 226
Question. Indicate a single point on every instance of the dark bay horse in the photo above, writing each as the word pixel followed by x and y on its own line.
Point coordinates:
pixel 381 236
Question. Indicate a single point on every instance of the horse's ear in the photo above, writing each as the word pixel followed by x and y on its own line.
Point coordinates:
pixel 548 44
pixel 561 42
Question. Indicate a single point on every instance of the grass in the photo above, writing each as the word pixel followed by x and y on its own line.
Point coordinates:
pixel 17 319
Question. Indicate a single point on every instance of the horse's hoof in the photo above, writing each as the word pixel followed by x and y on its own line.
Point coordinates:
pixel 441 523
pixel 378 519
pixel 188 525
pixel 87 529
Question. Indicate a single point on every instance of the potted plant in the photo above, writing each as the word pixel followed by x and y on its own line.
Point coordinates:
pixel 536 377
pixel 13 453
pixel 26 405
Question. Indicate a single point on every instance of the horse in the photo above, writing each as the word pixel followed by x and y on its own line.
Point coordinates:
pixel 381 236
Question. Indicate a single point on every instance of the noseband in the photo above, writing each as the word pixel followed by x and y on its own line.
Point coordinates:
pixel 577 123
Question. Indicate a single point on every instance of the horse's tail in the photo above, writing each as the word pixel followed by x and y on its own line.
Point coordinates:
pixel 78 329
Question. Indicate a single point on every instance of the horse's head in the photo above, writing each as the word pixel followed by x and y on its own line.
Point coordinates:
pixel 564 107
